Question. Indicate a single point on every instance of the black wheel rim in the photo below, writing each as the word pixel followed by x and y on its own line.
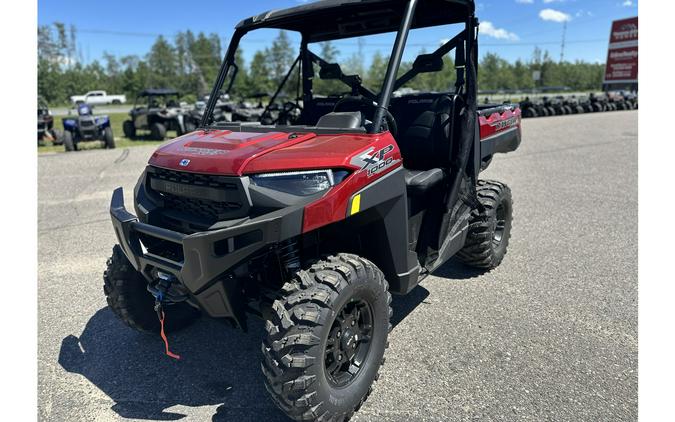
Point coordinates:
pixel 499 226
pixel 348 342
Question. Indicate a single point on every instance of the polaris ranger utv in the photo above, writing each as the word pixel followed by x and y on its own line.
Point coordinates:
pixel 161 112
pixel 312 225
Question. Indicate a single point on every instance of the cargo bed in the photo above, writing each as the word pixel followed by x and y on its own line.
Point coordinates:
pixel 499 128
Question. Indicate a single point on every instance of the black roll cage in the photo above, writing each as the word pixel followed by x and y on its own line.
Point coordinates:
pixel 464 42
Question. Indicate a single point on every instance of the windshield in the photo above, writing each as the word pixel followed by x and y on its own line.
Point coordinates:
pixel 275 79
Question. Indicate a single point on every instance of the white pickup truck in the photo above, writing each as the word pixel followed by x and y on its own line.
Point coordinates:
pixel 97 98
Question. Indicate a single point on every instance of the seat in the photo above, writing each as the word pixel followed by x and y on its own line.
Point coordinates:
pixel 426 141
pixel 421 182
pixel 341 119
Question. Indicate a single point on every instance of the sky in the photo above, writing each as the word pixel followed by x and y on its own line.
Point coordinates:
pixel 511 28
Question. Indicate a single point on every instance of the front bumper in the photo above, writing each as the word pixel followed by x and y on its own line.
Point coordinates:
pixel 208 257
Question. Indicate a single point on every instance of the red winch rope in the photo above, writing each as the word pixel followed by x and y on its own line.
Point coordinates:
pixel 166 342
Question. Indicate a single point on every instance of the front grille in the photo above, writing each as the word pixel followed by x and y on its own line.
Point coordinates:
pixel 202 197
pixel 87 123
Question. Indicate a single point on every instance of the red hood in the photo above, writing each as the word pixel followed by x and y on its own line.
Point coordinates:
pixel 235 153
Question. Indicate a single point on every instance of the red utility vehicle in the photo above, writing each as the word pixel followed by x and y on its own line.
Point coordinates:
pixel 311 225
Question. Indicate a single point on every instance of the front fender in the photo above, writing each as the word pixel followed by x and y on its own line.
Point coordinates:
pixel 69 124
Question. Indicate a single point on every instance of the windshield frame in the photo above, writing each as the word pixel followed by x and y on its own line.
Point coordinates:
pixel 305 60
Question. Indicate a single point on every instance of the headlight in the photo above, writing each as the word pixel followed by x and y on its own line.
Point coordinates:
pixel 301 183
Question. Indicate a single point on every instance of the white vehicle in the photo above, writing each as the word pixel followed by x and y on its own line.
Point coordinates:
pixel 98 98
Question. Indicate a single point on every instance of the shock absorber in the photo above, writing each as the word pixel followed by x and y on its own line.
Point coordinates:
pixel 289 255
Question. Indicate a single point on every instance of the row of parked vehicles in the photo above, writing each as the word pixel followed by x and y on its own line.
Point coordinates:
pixel 157 111
pixel 562 105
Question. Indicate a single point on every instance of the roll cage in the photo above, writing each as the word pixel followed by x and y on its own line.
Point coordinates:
pixel 147 96
pixel 337 19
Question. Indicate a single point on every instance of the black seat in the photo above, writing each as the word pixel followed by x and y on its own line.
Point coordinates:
pixel 317 107
pixel 425 139
pixel 420 182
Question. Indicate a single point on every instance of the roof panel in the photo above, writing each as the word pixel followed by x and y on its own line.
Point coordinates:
pixel 158 91
pixel 335 19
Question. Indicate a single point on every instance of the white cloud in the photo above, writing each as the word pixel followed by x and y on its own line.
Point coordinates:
pixel 525 1
pixel 554 1
pixel 487 28
pixel 627 3
pixel 554 15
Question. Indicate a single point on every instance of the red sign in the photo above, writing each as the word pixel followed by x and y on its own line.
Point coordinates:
pixel 622 55
pixel 624 30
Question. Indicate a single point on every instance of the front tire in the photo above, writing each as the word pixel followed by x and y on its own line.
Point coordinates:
pixel 490 229
pixel 68 143
pixel 128 298
pixel 129 129
pixel 109 138
pixel 326 337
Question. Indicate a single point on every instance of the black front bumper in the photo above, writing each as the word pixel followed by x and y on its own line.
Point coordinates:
pixel 208 257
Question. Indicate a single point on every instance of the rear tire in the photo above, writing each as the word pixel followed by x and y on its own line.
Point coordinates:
pixel 489 230
pixel 109 138
pixel 128 298
pixel 68 143
pixel 323 318
pixel 129 129
pixel 157 131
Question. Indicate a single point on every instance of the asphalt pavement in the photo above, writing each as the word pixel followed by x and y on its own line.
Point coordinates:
pixel 550 335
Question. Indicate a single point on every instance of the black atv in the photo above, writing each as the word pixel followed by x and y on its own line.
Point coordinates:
pixel 87 127
pixel 45 124
pixel 160 112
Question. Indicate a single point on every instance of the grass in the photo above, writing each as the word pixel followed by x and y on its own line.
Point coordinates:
pixel 121 141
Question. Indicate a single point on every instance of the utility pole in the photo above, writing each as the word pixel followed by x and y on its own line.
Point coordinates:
pixel 562 45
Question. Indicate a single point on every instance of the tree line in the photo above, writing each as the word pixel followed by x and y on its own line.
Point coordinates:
pixel 190 62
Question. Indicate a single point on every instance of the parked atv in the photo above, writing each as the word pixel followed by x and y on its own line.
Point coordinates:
pixel 572 103
pixel 160 112
pixel 530 108
pixel 87 127
pixel 312 226
pixel 246 111
pixel 45 124
pixel 631 99
pixel 221 113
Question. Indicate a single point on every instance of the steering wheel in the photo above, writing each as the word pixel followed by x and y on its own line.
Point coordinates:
pixel 369 108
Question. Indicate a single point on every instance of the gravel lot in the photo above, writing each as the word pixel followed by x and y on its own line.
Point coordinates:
pixel 551 335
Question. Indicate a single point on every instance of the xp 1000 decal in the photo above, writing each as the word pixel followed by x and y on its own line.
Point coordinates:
pixel 374 161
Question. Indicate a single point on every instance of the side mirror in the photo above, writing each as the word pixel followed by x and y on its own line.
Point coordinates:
pixel 330 71
pixel 427 63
